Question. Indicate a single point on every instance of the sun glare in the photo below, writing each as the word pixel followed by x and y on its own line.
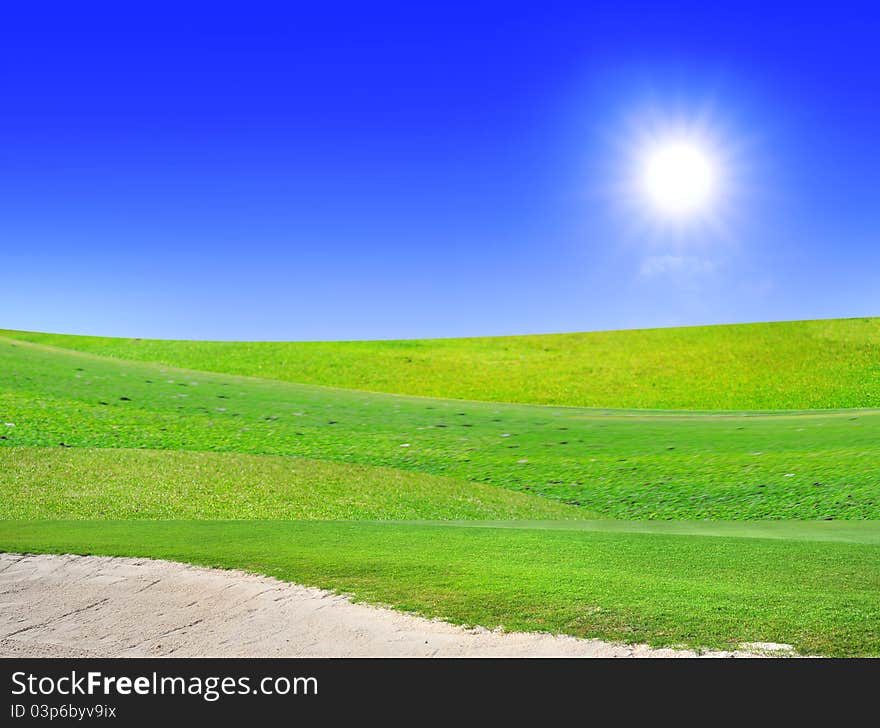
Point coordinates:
pixel 678 178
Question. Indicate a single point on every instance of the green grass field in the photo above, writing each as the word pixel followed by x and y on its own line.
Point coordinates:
pixel 47 483
pixel 617 463
pixel 699 528
pixel 789 365
pixel 664 589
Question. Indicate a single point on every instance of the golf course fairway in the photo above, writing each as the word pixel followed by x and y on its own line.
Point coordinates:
pixel 732 512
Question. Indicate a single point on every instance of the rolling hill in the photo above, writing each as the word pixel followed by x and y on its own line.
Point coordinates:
pixel 618 463
pixel 825 364
pixel 675 527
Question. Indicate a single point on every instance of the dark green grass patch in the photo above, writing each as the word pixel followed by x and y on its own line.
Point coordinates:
pixel 165 484
pixel 822 597
pixel 785 365
pixel 630 465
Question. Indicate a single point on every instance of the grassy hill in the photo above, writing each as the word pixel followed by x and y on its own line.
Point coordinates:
pixel 624 464
pixel 471 511
pixel 787 365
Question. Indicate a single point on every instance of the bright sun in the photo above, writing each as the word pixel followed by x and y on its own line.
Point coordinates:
pixel 679 179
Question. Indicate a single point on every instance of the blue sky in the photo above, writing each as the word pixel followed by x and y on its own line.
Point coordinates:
pixel 317 171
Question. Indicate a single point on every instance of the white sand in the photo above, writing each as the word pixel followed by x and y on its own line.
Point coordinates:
pixel 77 606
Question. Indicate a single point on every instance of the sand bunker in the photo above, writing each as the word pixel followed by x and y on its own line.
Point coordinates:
pixel 90 606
